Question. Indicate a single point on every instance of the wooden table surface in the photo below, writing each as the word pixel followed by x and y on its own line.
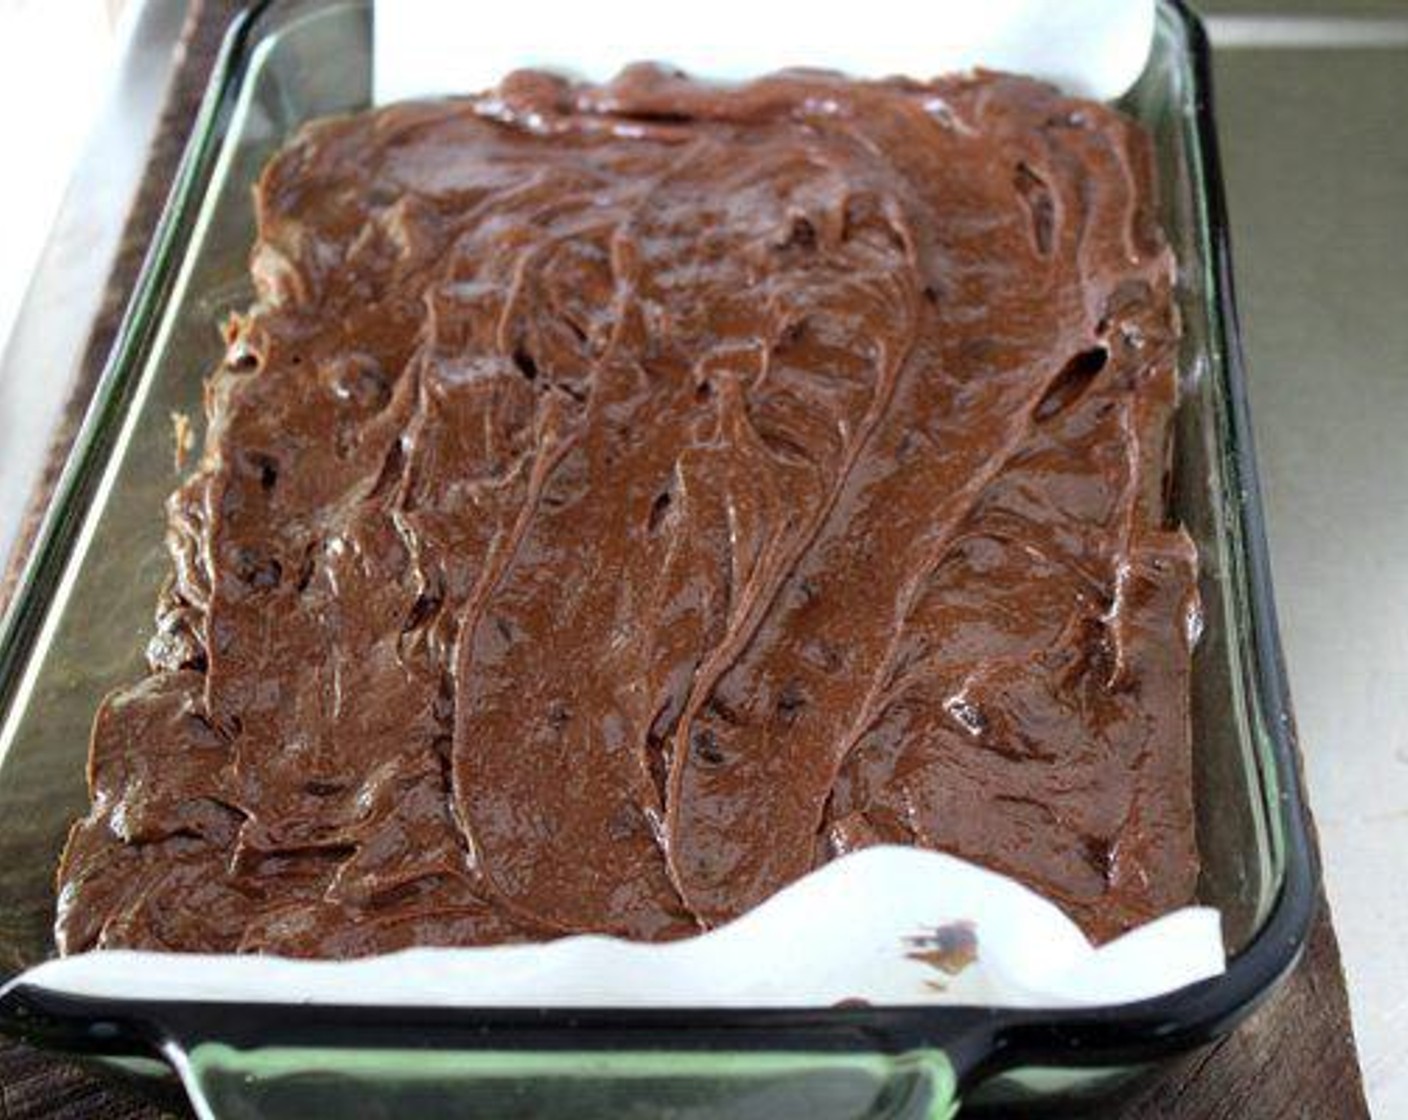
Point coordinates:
pixel 1294 1058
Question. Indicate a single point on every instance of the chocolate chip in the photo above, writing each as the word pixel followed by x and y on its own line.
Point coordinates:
pixel 706 747
pixel 525 362
pixel 801 234
pixel 254 569
pixel 260 465
pixel 790 702
pixel 1070 384
pixel 243 358
pixel 658 509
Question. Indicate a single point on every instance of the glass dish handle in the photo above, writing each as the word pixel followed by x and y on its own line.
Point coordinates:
pixel 284 1083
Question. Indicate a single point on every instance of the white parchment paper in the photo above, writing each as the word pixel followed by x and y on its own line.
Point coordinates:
pixel 857 928
pixel 1092 48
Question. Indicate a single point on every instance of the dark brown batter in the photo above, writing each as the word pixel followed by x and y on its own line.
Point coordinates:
pixel 622 499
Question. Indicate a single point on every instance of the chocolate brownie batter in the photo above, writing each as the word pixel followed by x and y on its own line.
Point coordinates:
pixel 622 499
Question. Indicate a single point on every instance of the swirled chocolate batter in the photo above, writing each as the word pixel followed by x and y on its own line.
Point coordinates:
pixel 622 499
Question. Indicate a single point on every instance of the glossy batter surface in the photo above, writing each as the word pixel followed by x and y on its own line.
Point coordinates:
pixel 622 499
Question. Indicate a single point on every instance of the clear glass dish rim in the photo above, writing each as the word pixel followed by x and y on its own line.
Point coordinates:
pixel 975 1036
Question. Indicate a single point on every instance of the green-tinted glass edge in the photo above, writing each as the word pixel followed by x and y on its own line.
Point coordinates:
pixel 1249 702
pixel 25 614
pixel 916 1084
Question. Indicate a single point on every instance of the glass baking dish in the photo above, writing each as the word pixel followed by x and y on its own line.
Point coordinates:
pixel 84 607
